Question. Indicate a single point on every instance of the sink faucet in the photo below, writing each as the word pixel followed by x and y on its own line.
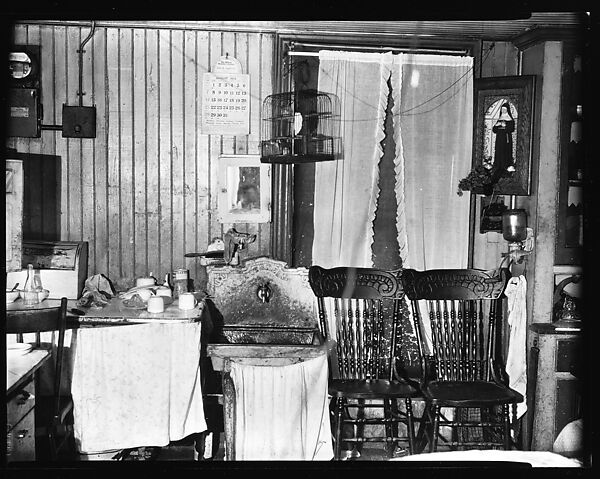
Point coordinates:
pixel 264 293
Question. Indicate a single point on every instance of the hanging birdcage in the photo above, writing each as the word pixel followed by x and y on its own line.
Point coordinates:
pixel 299 127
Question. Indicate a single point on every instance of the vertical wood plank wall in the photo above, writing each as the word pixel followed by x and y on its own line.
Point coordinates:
pixel 144 191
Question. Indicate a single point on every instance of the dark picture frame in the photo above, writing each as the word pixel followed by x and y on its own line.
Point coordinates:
pixel 506 150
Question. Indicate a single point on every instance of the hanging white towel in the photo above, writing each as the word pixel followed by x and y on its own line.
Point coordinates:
pixel 516 361
pixel 136 385
pixel 281 412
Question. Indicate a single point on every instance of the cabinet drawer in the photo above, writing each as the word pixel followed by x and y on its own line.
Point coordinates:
pixel 568 352
pixel 20 440
pixel 19 404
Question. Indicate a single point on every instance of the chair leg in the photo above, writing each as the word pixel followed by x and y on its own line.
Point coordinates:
pixel 389 430
pixel 410 428
pixel 338 415
pixel 359 429
pixel 458 431
pixel 436 428
pixel 506 420
pixel 52 443
pixel 423 435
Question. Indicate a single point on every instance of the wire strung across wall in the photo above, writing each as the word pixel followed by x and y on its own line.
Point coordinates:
pixel 405 112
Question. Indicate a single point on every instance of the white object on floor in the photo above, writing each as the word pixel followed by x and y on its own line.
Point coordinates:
pixel 570 439
pixel 103 456
pixel 136 386
pixel 535 458
pixel 282 412
pixel 208 445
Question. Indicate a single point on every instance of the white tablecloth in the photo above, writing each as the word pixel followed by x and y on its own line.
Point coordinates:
pixel 281 412
pixel 136 385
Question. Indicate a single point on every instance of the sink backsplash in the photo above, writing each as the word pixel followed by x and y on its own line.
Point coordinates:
pixel 287 314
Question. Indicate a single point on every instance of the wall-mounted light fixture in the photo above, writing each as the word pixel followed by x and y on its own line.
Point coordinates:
pixel 514 230
pixel 514 226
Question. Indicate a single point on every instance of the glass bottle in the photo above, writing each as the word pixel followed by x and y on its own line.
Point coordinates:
pixel 37 281
pixel 30 295
pixel 180 282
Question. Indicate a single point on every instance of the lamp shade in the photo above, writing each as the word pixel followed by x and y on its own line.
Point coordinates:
pixel 514 225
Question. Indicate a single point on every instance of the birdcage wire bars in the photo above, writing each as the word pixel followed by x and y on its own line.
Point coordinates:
pixel 300 127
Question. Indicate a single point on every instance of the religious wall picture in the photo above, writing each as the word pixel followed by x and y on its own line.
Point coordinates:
pixel 244 189
pixel 502 131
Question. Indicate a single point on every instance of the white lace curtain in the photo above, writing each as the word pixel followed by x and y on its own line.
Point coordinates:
pixel 346 190
pixel 435 94
pixel 433 100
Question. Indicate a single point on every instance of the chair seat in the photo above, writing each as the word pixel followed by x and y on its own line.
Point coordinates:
pixel 372 389
pixel 470 393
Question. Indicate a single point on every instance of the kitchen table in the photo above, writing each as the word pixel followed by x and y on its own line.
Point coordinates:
pixel 134 386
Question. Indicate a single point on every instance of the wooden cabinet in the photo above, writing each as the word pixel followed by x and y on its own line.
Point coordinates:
pixel 570 221
pixel 21 372
pixel 556 394
pixel 20 424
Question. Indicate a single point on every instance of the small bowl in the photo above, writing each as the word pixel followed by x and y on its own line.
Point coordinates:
pixel 43 294
pixel 11 296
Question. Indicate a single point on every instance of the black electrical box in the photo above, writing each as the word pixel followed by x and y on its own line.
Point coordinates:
pixel 79 121
pixel 24 115
pixel 23 102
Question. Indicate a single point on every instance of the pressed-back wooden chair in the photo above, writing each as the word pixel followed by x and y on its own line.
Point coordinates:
pixel 464 370
pixel 52 411
pixel 364 307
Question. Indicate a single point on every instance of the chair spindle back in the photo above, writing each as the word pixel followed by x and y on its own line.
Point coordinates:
pixel 356 303
pixel 464 308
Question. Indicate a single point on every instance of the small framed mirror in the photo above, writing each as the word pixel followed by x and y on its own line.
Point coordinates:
pixel 244 189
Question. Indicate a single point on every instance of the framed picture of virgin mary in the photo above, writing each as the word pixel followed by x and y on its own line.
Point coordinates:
pixel 502 131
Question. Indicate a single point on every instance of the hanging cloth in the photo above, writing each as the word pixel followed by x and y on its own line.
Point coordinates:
pixel 282 412
pixel 516 361
pixel 137 385
pixel 346 190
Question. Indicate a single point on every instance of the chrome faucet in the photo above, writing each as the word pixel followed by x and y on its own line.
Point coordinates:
pixel 264 293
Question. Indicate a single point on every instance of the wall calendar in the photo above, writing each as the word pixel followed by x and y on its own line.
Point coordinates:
pixel 226 100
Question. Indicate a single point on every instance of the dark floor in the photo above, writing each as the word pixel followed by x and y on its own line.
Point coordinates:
pixel 184 450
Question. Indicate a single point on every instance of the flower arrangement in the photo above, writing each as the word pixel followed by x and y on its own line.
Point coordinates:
pixel 479 179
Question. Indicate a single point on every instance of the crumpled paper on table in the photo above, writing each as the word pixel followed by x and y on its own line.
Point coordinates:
pixel 97 291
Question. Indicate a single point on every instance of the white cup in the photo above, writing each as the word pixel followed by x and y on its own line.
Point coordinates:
pixel 156 304
pixel 187 301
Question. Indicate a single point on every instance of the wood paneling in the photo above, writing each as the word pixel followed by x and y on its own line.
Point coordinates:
pixel 144 191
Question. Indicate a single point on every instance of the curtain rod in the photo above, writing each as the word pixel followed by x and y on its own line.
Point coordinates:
pixel 291 52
